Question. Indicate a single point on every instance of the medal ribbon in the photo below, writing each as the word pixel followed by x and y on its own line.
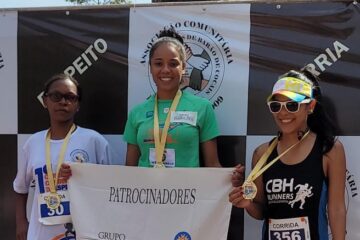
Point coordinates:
pixel 259 168
pixel 52 182
pixel 160 143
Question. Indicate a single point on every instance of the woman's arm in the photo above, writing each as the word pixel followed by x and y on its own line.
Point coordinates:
pixel 132 155
pixel 209 153
pixel 336 171
pixel 254 207
pixel 22 223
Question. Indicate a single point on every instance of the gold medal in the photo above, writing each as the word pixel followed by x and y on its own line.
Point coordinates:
pixel 53 200
pixel 159 165
pixel 249 190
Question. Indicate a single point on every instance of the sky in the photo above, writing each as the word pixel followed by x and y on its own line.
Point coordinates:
pixel 44 3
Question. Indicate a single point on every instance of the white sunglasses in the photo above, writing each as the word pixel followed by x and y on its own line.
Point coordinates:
pixel 290 106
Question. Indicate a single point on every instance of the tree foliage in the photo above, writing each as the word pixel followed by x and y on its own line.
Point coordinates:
pixel 98 2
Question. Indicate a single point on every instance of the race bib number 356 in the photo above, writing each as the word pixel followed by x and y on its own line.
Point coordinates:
pixel 289 229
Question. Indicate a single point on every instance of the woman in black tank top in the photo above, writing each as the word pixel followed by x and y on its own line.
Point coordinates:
pixel 302 192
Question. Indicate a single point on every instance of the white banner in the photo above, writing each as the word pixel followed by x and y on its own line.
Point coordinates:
pixel 352 198
pixel 217 38
pixel 118 202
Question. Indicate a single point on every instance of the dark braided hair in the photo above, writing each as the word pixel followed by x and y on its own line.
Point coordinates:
pixel 169 36
pixel 171 33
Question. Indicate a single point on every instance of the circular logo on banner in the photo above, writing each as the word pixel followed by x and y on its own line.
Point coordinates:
pixel 182 236
pixel 79 156
pixel 208 54
pixel 68 235
pixel 63 237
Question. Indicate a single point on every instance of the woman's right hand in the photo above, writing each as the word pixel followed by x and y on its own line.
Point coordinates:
pixel 65 171
pixel 22 229
pixel 237 199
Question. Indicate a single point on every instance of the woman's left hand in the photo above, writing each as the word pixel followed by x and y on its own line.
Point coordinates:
pixel 237 178
pixel 65 171
pixel 237 199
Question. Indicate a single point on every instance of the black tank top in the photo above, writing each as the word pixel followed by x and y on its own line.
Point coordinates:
pixel 297 190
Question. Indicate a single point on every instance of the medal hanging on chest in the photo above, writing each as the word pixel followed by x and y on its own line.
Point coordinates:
pixel 159 165
pixel 249 188
pixel 161 142
pixel 52 198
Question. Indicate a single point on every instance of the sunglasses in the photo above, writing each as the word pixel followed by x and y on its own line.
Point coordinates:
pixel 290 106
pixel 57 97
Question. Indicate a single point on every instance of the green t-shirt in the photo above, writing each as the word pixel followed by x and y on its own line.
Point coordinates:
pixel 184 135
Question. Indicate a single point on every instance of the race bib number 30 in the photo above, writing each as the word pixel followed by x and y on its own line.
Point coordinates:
pixel 59 215
pixel 289 229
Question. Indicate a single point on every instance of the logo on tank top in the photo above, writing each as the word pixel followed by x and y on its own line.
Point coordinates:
pixel 283 191
pixel 207 55
pixel 304 191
